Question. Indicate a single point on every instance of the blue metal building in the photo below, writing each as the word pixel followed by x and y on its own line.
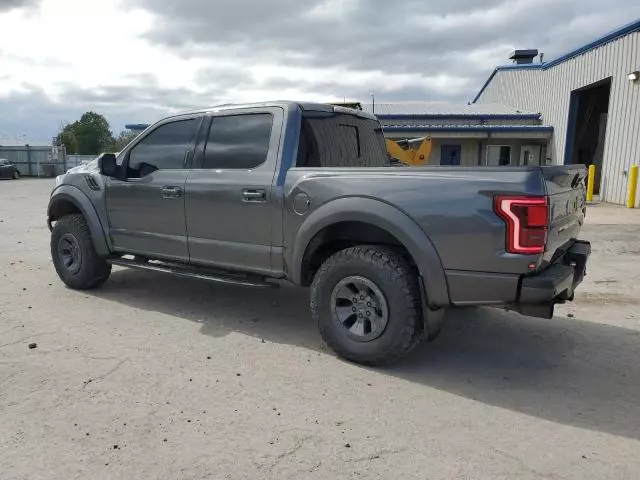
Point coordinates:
pixel 591 98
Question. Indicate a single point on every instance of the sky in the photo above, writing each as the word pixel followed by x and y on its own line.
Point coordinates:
pixel 136 61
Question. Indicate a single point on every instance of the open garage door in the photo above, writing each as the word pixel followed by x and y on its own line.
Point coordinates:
pixel 587 127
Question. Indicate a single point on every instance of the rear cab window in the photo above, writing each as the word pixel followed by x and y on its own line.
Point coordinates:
pixel 336 139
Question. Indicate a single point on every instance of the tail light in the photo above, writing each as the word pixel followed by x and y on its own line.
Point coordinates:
pixel 526 219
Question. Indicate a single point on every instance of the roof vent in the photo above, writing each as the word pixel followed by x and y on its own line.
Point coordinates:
pixel 523 56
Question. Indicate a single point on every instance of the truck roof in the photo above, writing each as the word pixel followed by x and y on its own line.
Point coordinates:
pixel 285 104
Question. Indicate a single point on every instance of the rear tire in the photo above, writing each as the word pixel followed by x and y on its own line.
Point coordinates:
pixel 76 261
pixel 16 174
pixel 366 303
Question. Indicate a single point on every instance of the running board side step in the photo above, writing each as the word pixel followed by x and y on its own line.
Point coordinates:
pixel 201 274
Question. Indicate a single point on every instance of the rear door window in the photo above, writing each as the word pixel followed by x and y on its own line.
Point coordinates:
pixel 238 141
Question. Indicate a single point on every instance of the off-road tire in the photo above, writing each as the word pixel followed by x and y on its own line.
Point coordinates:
pixel 395 278
pixel 92 270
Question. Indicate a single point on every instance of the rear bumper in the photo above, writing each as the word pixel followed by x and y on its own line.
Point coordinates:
pixel 534 295
pixel 556 284
pixel 560 279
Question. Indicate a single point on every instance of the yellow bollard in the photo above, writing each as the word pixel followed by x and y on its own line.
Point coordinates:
pixel 591 178
pixel 633 185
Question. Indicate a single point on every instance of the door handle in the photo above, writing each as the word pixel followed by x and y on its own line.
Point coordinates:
pixel 171 192
pixel 252 195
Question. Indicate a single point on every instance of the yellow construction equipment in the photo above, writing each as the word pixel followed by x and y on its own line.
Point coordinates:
pixel 410 152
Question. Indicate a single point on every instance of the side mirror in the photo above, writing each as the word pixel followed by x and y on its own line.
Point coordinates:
pixel 108 166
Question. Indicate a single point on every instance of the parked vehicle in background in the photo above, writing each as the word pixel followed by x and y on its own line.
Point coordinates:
pixel 8 170
pixel 250 194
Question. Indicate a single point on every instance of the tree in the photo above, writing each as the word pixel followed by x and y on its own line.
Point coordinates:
pixel 123 139
pixel 90 135
pixel 67 138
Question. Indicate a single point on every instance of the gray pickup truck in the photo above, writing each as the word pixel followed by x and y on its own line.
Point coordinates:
pixel 253 194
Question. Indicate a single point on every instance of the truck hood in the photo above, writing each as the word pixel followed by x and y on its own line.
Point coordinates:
pixel 89 167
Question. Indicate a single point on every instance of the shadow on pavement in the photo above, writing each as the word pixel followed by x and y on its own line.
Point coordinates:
pixel 563 370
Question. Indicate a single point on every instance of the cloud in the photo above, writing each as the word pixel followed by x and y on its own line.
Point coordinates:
pixel 36 115
pixel 139 59
pixel 400 36
pixel 6 5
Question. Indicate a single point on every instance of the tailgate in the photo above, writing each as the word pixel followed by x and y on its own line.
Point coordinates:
pixel 566 188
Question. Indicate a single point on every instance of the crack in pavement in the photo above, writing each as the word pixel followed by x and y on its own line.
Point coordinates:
pixel 104 375
pixel 526 468
pixel 77 351
pixel 299 444
pixel 29 337
pixel 375 455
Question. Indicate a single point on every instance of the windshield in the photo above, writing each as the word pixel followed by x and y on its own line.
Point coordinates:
pixel 341 140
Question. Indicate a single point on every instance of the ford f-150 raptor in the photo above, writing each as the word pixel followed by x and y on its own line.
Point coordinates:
pixel 253 194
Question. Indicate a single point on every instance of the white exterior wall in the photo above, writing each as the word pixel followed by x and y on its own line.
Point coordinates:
pixel 548 92
pixel 469 149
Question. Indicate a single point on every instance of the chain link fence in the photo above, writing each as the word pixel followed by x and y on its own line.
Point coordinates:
pixel 36 161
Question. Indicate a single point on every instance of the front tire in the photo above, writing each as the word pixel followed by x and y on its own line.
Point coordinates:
pixel 16 174
pixel 76 261
pixel 366 303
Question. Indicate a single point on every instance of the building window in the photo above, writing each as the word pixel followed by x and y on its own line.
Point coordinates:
pixel 530 154
pixel 450 154
pixel 498 155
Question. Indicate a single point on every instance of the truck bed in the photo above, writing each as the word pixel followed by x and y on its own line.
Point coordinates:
pixel 454 207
